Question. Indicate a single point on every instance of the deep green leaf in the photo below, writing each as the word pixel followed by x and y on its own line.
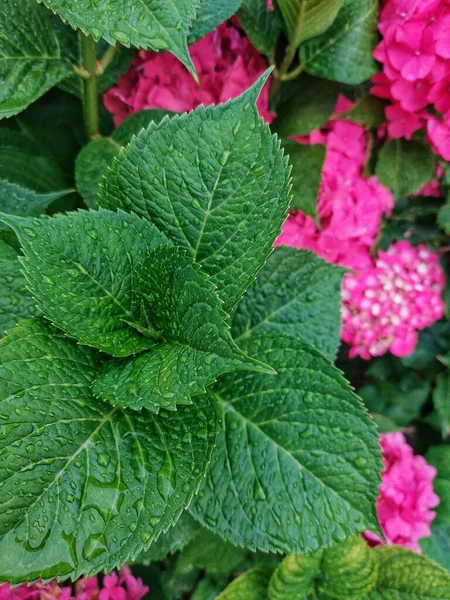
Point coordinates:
pixel 252 585
pixel 297 460
pixel 296 293
pixel 16 302
pixel 181 308
pixel 309 108
pixel 85 487
pixel 294 576
pixel 30 55
pixel 307 162
pixel 405 166
pixel 405 575
pixel 262 26
pixel 344 52
pixel 209 14
pixel 207 589
pixel 305 19
pixel 177 536
pixel 18 200
pixel 443 217
pixel 441 399
pixel 367 111
pixel 81 270
pixel 149 24
pixel 134 123
pixel 215 182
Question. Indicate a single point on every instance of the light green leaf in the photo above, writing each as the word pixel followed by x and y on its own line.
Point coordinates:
pixel 81 270
pixel 262 26
pixel 309 108
pixel 209 14
pixel 17 200
pixel 84 487
pixel 176 538
pixel 296 293
pixel 252 585
pixel 367 111
pixel 344 52
pixel 148 24
pixel 16 302
pixel 30 55
pixel 441 399
pixel 307 162
pixel 215 182
pixel 179 305
pixel 305 19
pixel 405 575
pixel 405 166
pixel 294 576
pixel 297 460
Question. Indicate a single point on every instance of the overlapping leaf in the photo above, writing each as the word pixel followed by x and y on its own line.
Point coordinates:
pixel 84 487
pixel 296 293
pixel 209 14
pixel 250 586
pixel 305 19
pixel 296 465
pixel 18 200
pixel 181 308
pixel 81 270
pixel 294 576
pixel 215 182
pixel 30 55
pixel 262 26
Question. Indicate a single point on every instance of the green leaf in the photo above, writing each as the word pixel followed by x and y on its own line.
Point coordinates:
pixel 176 538
pixel 405 166
pixel 209 14
pixel 17 200
pixel 181 308
pixel 95 158
pixel 16 302
pixel 215 182
pixel 81 270
pixel 210 553
pixel 309 108
pixel 262 26
pixel 207 589
pixel 437 546
pixel 307 162
pixel 441 399
pixel 297 460
pixel 305 19
pixel 405 575
pixel 443 217
pixel 296 293
pixel 252 585
pixel 85 487
pixel 294 576
pixel 367 111
pixel 344 52
pixel 148 24
pixel 30 56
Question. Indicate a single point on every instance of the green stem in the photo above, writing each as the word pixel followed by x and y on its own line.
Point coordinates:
pixel 106 60
pixel 91 106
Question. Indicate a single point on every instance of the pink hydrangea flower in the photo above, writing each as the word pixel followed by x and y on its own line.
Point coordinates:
pixel 415 53
pixel 122 586
pixel 226 63
pixel 406 495
pixel 350 205
pixel 385 305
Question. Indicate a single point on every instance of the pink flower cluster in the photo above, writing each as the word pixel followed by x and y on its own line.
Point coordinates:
pixel 226 63
pixel 122 586
pixel 386 304
pixel 350 205
pixel 406 495
pixel 415 53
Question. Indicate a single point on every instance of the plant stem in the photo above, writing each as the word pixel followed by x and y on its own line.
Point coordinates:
pixel 91 107
pixel 106 60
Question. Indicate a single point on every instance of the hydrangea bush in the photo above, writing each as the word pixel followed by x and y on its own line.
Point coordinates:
pixel 223 300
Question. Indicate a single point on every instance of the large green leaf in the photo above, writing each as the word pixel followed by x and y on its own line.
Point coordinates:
pixel 344 52
pixel 209 14
pixel 81 270
pixel 405 166
pixel 297 460
pixel 30 55
pixel 296 293
pixel 305 19
pixel 180 306
pixel 307 163
pixel 17 200
pixel 149 24
pixel 252 585
pixel 405 575
pixel 214 181
pixel 85 487
pixel 16 302
pixel 262 26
